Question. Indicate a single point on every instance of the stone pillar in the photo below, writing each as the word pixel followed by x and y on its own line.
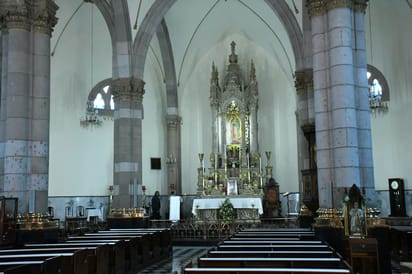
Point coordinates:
pixel 26 32
pixel 128 115
pixel 304 91
pixel 367 180
pixel 336 108
pixel 38 179
pixel 321 97
pixel 173 151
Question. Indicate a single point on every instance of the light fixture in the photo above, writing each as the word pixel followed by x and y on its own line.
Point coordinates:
pixel 91 117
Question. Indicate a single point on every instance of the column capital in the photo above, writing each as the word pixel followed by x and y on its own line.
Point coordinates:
pixel 320 7
pixel 173 120
pixel 14 15
pixel 128 89
pixel 316 7
pixel 360 5
pixel 334 4
pixel 303 79
pixel 44 16
pixel 39 15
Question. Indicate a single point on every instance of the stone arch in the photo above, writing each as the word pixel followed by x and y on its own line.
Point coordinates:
pixel 163 37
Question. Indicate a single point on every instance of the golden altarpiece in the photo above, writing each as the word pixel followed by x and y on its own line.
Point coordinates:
pixel 235 170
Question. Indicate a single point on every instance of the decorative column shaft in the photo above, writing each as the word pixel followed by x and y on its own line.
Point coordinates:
pixel 363 114
pixel 26 32
pixel 173 152
pixel 128 115
pixel 336 108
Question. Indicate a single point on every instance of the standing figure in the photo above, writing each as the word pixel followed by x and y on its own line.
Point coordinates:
pixel 156 206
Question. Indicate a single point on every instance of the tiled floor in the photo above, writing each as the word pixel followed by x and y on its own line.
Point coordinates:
pixel 181 255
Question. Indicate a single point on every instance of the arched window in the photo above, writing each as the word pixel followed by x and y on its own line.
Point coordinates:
pixel 99 104
pixel 102 98
pixel 378 90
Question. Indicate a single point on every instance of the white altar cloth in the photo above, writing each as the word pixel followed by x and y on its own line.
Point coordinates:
pixel 240 202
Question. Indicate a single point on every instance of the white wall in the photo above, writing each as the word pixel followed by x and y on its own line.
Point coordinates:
pixel 389 50
pixel 81 159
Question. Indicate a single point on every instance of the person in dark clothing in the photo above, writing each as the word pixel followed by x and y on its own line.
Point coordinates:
pixel 156 206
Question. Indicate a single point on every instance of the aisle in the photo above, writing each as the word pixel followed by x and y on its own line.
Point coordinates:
pixel 181 255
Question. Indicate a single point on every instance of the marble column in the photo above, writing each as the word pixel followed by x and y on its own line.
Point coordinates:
pixel 128 115
pixel 26 101
pixel 173 151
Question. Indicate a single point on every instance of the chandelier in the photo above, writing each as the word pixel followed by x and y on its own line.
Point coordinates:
pixel 91 117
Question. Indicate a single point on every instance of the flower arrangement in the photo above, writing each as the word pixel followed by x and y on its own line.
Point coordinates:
pixel 226 211
pixel 143 188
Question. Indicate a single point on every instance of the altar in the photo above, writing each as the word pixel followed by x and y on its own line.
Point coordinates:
pixel 246 208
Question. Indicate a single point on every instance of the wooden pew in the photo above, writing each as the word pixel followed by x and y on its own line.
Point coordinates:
pixel 72 262
pixel 108 254
pixel 242 270
pixel 287 262
pixel 267 253
pixel 154 245
pixel 136 253
pixel 50 265
pixel 268 247
pixel 165 235
pixel 119 263
pixel 97 256
pixel 271 241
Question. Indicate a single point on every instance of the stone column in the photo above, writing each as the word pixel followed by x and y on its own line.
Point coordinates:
pixel 40 106
pixel 362 93
pixel 26 34
pixel 301 84
pixel 336 108
pixel 317 12
pixel 128 115
pixel 173 151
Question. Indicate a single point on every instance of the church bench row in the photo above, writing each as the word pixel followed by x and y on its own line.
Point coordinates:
pixel 87 263
pixel 300 236
pixel 50 265
pixel 71 262
pixel 276 255
pixel 271 241
pixel 291 262
pixel 127 252
pixel 265 270
pixel 269 253
pixel 270 247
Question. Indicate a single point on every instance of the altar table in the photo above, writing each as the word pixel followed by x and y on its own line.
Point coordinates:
pixel 238 202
